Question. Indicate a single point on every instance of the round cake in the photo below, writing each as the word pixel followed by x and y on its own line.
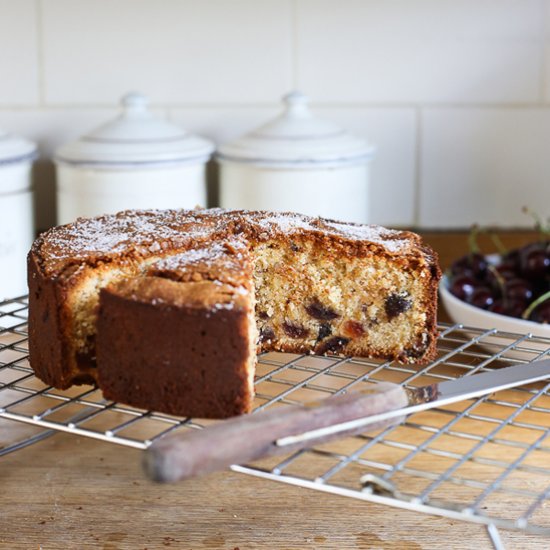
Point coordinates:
pixel 166 310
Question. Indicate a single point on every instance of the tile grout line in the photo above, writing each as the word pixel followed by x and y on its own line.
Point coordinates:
pixel 272 105
pixel 417 167
pixel 543 78
pixel 293 44
pixel 40 53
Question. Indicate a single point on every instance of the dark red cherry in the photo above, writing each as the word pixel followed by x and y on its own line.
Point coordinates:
pixel 473 263
pixel 511 309
pixel 518 290
pixel 506 270
pixel 478 264
pixel 497 307
pixel 534 261
pixel 496 277
pixel 512 258
pixel 541 314
pixel 514 309
pixel 461 266
pixel 482 297
pixel 463 286
pixel 539 309
pixel 541 286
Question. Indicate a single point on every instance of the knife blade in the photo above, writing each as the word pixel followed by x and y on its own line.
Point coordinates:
pixel 285 429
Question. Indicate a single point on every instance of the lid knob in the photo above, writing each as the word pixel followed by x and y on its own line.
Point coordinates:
pixel 135 137
pixel 134 103
pixel 297 104
pixel 297 139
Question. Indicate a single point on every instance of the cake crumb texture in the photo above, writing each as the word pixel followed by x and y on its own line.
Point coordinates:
pixel 101 288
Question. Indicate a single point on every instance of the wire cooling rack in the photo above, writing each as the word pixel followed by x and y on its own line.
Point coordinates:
pixel 485 460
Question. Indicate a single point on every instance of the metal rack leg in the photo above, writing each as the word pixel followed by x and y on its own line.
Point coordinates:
pixel 494 536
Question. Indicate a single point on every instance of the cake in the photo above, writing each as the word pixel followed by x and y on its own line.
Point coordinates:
pixel 166 310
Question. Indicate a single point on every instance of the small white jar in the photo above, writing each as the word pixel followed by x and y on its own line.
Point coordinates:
pixel 16 213
pixel 135 161
pixel 299 163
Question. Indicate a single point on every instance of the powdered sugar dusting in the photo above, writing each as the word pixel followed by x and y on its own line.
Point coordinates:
pixel 118 233
pixel 209 255
pixel 373 233
pixel 290 223
pixel 192 235
pixel 285 222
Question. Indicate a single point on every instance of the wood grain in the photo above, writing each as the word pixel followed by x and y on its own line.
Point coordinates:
pixel 74 493
pixel 68 492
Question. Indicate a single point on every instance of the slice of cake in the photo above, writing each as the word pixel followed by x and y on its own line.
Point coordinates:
pixel 166 309
pixel 185 334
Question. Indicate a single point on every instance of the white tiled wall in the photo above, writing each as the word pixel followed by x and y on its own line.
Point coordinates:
pixel 484 164
pixel 180 51
pixel 454 93
pixel 427 51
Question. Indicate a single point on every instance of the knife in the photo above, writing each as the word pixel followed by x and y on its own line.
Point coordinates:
pixel 286 429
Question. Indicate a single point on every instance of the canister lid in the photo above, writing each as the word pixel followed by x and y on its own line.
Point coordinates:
pixel 136 138
pixel 15 149
pixel 297 138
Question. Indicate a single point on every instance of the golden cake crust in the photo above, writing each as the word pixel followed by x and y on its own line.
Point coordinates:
pixel 137 234
pixel 69 265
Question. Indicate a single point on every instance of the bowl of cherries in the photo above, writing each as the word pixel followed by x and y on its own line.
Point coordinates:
pixel 509 291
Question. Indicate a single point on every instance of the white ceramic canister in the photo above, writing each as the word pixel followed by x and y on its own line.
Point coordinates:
pixel 297 162
pixel 16 213
pixel 137 160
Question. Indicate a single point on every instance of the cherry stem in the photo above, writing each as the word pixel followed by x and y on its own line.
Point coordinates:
pixel 544 230
pixel 472 239
pixel 474 246
pixel 500 280
pixel 497 241
pixel 526 314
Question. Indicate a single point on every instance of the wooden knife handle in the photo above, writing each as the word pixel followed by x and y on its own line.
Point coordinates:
pixel 246 438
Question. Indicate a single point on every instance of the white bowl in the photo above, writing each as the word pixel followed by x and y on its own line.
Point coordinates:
pixel 471 316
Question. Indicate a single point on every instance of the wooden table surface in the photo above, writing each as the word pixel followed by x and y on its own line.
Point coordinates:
pixel 70 492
